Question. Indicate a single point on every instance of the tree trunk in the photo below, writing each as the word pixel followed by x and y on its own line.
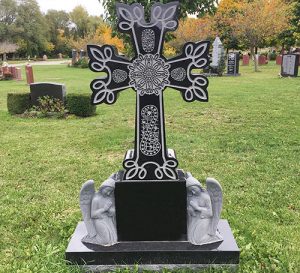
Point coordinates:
pixel 253 55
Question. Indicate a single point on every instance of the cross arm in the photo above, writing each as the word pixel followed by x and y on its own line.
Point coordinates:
pixel 106 88
pixel 191 85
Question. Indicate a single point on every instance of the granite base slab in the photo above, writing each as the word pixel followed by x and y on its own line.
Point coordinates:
pixel 161 253
pixel 158 267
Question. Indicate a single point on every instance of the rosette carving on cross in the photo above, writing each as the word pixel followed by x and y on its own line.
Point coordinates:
pixel 149 73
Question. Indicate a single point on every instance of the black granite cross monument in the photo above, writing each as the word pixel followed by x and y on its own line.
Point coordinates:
pixel 151 212
pixel 149 73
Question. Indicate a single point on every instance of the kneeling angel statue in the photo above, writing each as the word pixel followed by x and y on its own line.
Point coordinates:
pixel 98 211
pixel 203 211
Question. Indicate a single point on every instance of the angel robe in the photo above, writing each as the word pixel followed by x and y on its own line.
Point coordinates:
pixel 199 219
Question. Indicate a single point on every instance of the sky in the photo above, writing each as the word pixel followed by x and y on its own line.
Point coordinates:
pixel 92 6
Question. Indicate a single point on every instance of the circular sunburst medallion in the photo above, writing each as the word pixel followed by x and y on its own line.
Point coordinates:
pixel 149 74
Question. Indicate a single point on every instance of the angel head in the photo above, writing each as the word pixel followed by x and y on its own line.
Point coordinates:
pixel 107 187
pixel 194 187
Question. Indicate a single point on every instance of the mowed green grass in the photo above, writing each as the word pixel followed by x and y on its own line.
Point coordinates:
pixel 246 136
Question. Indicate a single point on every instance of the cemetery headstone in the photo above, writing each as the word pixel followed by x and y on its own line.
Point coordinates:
pixel 82 54
pixel 246 59
pixel 279 59
pixel 40 89
pixel 13 71
pixel 74 56
pixel 218 55
pixel 150 211
pixel 29 74
pixel 290 64
pixel 262 60
pixel 233 64
pixel 18 74
pixel 5 69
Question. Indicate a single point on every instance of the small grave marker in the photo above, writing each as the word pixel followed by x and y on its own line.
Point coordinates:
pixel 18 74
pixel 74 56
pixel 246 59
pixel 29 74
pixel 262 60
pixel 13 71
pixel 40 89
pixel 290 64
pixel 279 59
pixel 233 64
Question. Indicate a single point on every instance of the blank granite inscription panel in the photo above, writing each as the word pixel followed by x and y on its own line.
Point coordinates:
pixel 151 211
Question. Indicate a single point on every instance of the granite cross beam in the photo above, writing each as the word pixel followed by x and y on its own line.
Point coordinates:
pixel 149 73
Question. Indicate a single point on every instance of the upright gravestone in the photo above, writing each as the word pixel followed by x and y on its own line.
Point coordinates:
pixel 279 59
pixel 218 55
pixel 18 74
pixel 74 56
pixel 289 66
pixel 82 54
pixel 151 212
pixel 41 89
pixel 5 69
pixel 29 74
pixel 246 59
pixel 262 60
pixel 13 71
pixel 233 64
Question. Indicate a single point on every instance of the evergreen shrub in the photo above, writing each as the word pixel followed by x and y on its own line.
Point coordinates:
pixel 80 105
pixel 18 103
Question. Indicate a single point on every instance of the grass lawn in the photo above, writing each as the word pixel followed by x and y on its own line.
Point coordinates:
pixel 247 137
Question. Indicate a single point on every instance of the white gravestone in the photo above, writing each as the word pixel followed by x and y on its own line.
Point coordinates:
pixel 289 65
pixel 218 52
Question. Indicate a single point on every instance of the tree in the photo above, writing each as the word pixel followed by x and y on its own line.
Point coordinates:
pixel 8 15
pixel 222 22
pixel 57 21
pixel 199 7
pixel 291 36
pixel 33 37
pixel 191 30
pixel 80 18
pixel 102 36
pixel 260 21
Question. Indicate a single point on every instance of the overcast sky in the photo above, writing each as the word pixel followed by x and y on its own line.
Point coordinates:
pixel 93 6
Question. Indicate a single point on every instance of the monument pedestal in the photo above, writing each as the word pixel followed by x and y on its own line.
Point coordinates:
pixel 153 255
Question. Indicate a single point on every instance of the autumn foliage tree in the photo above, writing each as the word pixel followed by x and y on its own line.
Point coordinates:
pixel 191 30
pixel 102 36
pixel 260 21
pixel 223 20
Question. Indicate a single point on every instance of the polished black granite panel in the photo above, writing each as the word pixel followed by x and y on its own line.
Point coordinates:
pixel 151 211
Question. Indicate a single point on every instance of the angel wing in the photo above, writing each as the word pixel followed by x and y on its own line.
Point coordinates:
pixel 86 195
pixel 215 192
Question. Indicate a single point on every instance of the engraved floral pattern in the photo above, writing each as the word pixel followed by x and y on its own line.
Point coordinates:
pixel 178 74
pixel 119 75
pixel 150 144
pixel 149 74
pixel 148 40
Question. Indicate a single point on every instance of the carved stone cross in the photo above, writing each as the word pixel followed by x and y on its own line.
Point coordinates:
pixel 149 73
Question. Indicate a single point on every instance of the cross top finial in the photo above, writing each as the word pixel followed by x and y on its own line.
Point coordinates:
pixel 149 73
